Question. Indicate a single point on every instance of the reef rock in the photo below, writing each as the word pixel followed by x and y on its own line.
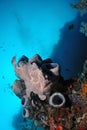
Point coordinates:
pixel 47 98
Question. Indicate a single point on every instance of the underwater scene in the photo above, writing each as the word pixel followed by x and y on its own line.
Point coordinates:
pixel 43 64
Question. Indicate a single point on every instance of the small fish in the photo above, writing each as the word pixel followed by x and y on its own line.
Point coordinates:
pixel 71 26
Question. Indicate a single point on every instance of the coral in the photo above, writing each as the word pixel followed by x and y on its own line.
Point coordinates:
pixel 83 28
pixel 84 91
pixel 19 88
pixel 57 100
pixel 82 7
pixel 83 75
pixel 47 98
pixel 36 74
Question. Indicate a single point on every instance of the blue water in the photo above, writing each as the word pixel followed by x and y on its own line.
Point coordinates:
pixel 35 26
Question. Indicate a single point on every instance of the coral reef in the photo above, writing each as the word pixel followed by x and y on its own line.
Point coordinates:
pixel 47 98
pixel 82 7
pixel 83 28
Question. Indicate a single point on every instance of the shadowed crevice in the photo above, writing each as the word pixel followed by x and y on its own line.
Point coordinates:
pixel 71 50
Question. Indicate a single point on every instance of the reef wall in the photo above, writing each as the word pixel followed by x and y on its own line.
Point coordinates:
pixel 46 97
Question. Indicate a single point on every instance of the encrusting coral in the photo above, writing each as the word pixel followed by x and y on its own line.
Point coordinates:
pixel 46 97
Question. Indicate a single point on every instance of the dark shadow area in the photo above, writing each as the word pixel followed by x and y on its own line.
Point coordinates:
pixel 71 50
